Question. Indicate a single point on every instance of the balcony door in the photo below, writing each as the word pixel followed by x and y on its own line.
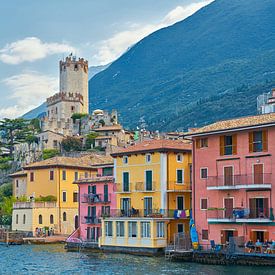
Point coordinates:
pixel 148 206
pixel 126 187
pixel 228 175
pixel 125 204
pixel 258 173
pixel 228 205
pixel 258 208
pixel 148 180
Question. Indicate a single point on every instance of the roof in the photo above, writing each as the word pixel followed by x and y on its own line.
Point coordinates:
pixel 116 127
pixel 18 174
pixel 84 162
pixel 156 145
pixel 241 123
pixel 104 137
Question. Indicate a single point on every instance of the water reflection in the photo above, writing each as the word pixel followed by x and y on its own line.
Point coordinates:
pixel 53 259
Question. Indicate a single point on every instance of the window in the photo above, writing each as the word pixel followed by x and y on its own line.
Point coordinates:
pixel 228 145
pixel 148 180
pixel 258 141
pixel 75 175
pixel 180 228
pixel 107 171
pixel 51 219
pixel 148 206
pixel 160 230
pixel 120 229
pixel 24 219
pixel 148 158
pixel 204 173
pixel 179 157
pixel 204 234
pixel 75 197
pixel 64 216
pixel 16 221
pixel 125 206
pixel 179 175
pixel 17 183
pixel 86 175
pixel 51 175
pixel 204 203
pixel 32 176
pixel 105 211
pixel 108 229
pixel 64 196
pixel 64 176
pixel 125 160
pixel 201 143
pixel 40 219
pixel 180 202
pixel 145 230
pixel 126 185
pixel 72 109
pixel 106 193
pixel 132 229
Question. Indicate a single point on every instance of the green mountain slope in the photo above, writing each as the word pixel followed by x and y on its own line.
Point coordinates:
pixel 224 46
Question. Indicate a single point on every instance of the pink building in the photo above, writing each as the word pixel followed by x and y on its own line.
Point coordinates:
pixel 234 179
pixel 96 199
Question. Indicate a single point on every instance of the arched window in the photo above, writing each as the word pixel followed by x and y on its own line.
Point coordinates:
pixel 24 219
pixel 64 216
pixel 51 219
pixel 16 219
pixel 40 221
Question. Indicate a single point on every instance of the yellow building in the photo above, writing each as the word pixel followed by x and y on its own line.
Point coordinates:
pixel 153 187
pixel 51 177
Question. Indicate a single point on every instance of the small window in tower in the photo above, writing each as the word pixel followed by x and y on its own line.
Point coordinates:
pixel 72 109
pixel 56 110
pixel 75 67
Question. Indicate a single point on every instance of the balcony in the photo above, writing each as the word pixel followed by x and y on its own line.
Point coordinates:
pixel 145 186
pixel 145 213
pixel 174 186
pixel 90 220
pixel 124 188
pixel 240 215
pixel 96 198
pixel 30 205
pixel 235 182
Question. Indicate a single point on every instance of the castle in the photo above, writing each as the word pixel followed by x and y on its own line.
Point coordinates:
pixel 71 98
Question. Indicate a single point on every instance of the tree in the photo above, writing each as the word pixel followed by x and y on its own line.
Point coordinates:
pixel 71 144
pixel 49 153
pixel 90 140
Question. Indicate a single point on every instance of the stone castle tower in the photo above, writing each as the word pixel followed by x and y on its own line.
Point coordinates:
pixel 71 98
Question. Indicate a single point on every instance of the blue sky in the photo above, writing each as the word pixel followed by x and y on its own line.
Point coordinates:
pixel 36 34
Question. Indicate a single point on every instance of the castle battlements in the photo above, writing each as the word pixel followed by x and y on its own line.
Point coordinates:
pixel 71 61
pixel 62 96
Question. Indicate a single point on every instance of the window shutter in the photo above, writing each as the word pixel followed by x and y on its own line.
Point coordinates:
pixel 265 142
pixel 234 143
pixel 235 233
pixel 198 143
pixel 250 142
pixel 222 145
pixel 252 206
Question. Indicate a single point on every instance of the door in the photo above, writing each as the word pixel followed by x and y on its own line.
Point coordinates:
pixel 258 173
pixel 106 197
pixel 125 206
pixel 148 206
pixel 180 202
pixel 180 228
pixel 228 205
pixel 76 224
pixel 228 176
pixel 149 181
pixel 94 189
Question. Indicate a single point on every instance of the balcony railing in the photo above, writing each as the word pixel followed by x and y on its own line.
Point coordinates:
pixel 90 220
pixel 145 186
pixel 175 186
pixel 124 187
pixel 29 205
pixel 96 198
pixel 240 213
pixel 147 213
pixel 239 181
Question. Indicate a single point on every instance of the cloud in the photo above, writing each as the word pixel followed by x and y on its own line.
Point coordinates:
pixel 110 49
pixel 28 90
pixel 31 49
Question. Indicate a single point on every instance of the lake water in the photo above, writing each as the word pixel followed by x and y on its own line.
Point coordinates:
pixel 53 259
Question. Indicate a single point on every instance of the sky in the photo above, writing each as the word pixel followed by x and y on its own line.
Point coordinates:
pixel 36 34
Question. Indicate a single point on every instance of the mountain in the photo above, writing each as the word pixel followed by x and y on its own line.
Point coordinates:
pixel 41 109
pixel 209 66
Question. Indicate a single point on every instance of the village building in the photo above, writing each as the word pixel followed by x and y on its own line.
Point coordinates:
pixel 233 185
pixel 153 188
pixel 46 193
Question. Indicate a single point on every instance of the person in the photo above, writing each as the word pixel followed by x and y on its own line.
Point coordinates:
pixel 258 246
pixel 250 246
pixel 271 248
pixel 265 245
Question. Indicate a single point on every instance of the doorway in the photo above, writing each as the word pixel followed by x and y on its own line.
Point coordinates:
pixel 228 205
